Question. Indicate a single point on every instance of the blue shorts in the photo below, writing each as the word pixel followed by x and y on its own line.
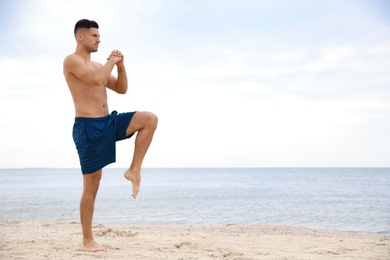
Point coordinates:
pixel 95 139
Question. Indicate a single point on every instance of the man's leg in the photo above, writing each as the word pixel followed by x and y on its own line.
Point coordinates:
pixel 87 203
pixel 145 123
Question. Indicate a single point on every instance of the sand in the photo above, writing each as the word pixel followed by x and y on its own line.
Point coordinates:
pixel 35 239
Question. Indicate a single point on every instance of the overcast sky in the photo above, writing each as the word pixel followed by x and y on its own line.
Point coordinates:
pixel 240 83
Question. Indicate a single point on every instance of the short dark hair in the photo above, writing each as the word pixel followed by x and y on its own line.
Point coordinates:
pixel 85 23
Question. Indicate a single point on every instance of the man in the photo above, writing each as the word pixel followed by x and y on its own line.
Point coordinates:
pixel 95 131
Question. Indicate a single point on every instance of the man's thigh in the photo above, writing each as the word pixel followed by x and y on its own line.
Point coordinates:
pixel 139 121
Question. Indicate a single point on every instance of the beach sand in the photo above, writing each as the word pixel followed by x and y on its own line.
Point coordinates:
pixel 35 239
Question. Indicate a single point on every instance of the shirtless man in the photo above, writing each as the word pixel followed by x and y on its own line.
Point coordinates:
pixel 95 131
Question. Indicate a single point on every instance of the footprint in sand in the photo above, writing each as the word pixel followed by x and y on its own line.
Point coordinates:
pixel 109 232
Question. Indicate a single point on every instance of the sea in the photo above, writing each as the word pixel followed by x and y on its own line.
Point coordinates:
pixel 341 199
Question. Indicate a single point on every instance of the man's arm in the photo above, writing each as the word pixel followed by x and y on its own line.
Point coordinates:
pixel 97 77
pixel 119 84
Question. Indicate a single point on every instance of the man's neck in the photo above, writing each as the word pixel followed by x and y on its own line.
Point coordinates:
pixel 83 53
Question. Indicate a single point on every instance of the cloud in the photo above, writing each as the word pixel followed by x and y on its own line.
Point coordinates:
pixel 250 83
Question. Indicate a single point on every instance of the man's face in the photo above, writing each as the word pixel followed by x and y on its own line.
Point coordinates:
pixel 91 39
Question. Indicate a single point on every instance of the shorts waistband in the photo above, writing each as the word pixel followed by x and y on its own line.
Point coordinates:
pixel 91 119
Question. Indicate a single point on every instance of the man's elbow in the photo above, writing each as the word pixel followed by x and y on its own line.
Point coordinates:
pixel 99 81
pixel 122 90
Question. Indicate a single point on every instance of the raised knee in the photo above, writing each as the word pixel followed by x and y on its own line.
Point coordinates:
pixel 152 120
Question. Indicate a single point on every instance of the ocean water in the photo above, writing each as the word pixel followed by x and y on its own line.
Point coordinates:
pixel 344 199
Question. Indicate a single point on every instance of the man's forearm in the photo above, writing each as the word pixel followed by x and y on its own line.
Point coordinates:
pixel 104 72
pixel 121 84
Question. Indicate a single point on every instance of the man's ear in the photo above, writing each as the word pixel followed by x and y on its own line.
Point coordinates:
pixel 79 35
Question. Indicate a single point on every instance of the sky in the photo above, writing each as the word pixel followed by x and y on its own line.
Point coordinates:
pixel 263 83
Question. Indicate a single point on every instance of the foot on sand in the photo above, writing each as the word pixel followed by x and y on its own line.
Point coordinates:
pixel 135 178
pixel 92 246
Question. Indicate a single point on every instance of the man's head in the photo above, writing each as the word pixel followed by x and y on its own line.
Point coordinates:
pixel 86 33
pixel 85 24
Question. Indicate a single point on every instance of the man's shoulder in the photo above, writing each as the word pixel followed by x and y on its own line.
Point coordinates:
pixel 72 61
pixel 72 57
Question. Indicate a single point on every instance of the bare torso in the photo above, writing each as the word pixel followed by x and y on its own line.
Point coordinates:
pixel 89 100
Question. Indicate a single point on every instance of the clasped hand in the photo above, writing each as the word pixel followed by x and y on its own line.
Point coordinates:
pixel 116 55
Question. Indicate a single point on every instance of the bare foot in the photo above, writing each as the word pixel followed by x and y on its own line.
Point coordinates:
pixel 135 178
pixel 92 246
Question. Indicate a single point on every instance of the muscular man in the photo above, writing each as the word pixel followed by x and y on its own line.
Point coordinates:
pixel 95 131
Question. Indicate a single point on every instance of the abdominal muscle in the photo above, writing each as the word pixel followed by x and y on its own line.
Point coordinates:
pixel 90 103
